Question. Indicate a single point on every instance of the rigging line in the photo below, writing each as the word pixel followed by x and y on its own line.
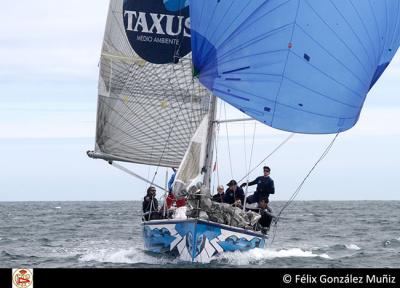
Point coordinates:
pixel 298 189
pixel 216 141
pixel 216 155
pixel 148 173
pixel 218 135
pixel 324 154
pixel 245 162
pixel 269 155
pixel 275 228
pixel 213 175
pixel 252 145
pixel 245 150
pixel 126 170
pixel 216 165
pixel 165 193
pixel 247 171
pixel 229 146
pixel 178 46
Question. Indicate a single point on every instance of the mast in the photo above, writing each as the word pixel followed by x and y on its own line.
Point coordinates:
pixel 210 142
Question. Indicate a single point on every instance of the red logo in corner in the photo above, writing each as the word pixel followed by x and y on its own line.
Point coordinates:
pixel 22 278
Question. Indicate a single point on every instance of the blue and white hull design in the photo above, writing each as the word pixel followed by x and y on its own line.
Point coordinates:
pixel 198 240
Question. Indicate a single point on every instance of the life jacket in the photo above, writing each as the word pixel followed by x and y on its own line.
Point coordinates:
pixel 171 199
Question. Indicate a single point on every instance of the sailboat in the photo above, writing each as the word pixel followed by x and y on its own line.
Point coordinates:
pixel 303 66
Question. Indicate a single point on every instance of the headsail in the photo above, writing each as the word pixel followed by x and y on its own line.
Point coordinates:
pixel 149 107
pixel 191 167
pixel 304 66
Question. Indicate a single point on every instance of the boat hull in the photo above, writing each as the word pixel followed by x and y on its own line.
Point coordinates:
pixel 198 240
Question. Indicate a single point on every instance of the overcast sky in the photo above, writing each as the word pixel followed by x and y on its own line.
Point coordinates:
pixel 49 52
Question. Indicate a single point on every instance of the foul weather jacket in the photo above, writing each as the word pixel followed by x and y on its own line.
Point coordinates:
pixel 231 196
pixel 265 186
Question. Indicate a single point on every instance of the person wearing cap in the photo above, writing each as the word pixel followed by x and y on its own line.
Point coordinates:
pixel 219 197
pixel 150 204
pixel 234 194
pixel 265 187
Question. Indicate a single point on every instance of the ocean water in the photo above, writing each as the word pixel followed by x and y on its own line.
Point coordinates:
pixel 108 234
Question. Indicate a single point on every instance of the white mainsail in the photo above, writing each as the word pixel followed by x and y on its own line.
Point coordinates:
pixel 147 113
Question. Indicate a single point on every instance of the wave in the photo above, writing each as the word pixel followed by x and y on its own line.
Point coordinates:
pixel 123 253
pixel 124 256
pixel 13 256
pixel 6 254
pixel 352 247
pixel 258 255
pixel 4 240
pixel 337 248
pixel 46 242
pixel 138 256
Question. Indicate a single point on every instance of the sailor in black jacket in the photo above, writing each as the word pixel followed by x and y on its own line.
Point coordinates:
pixel 219 197
pixel 233 193
pixel 265 187
pixel 266 216
pixel 150 204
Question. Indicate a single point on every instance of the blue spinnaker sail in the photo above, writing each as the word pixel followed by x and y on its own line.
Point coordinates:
pixel 304 66
pixel 175 5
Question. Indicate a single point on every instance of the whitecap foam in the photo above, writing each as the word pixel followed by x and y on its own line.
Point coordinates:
pixel 352 247
pixel 58 207
pixel 243 258
pixel 109 255
pixel 122 256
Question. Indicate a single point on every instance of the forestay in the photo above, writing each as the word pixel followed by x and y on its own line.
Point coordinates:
pixel 149 107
